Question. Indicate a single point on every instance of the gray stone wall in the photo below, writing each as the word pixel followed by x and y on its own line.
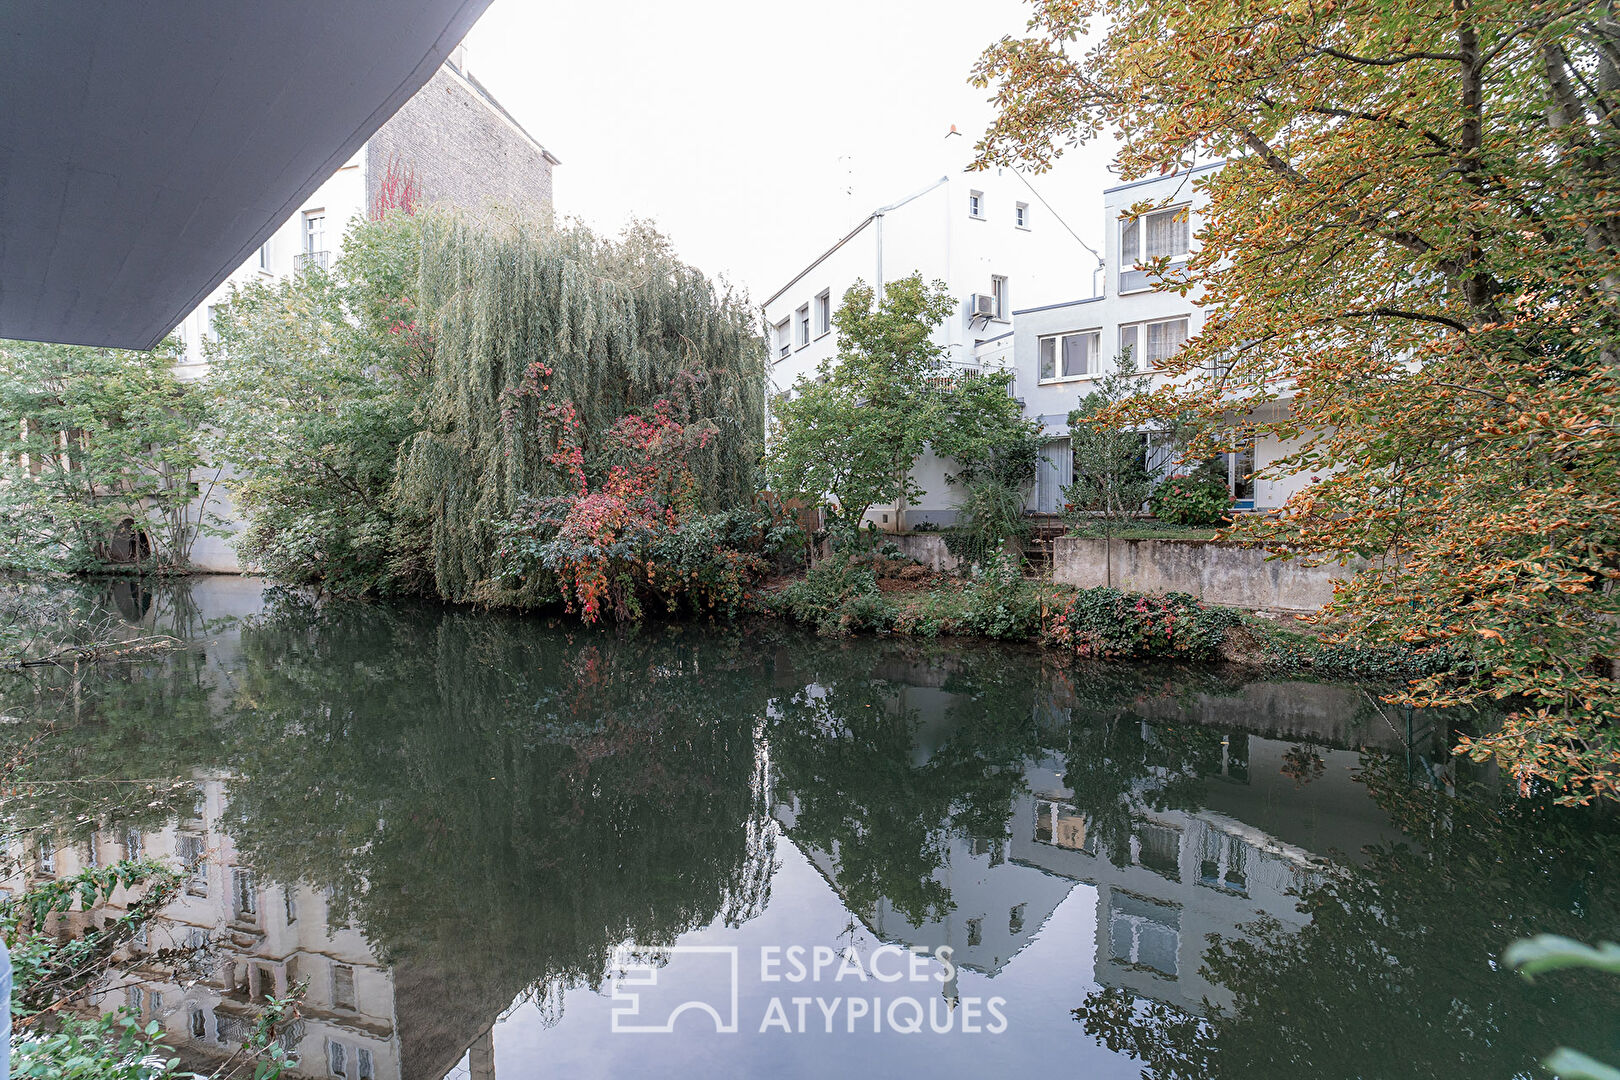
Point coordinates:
pixel 1231 575
pixel 464 151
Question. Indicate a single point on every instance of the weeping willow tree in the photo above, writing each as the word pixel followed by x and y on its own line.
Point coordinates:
pixel 543 337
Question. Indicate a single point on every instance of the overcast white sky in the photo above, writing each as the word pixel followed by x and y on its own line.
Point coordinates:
pixel 738 125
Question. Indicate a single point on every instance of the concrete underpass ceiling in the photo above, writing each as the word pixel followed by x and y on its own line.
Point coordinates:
pixel 147 149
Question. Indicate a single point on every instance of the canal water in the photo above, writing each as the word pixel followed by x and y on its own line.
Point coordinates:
pixel 491 846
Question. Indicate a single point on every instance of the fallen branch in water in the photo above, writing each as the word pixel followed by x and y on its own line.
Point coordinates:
pixel 98 652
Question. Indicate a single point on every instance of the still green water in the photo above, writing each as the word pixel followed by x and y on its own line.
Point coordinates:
pixel 498 846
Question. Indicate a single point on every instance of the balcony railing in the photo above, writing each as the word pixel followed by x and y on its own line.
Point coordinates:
pixel 306 260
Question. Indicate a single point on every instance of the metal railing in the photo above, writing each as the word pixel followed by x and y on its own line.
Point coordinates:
pixel 306 260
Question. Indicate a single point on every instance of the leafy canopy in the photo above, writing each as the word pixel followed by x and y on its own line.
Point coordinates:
pixel 1411 266
pixel 852 434
pixel 89 439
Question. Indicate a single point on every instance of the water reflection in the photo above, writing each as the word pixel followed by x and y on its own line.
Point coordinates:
pixel 442 825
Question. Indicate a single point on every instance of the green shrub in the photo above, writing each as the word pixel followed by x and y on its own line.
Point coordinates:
pixel 1000 601
pixel 837 596
pixel 1183 500
pixel 991 513
pixel 1114 625
pixel 1378 663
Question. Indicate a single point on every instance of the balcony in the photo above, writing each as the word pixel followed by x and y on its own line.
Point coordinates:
pixel 311 260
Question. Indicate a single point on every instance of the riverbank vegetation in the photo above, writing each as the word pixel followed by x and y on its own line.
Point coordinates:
pixel 1411 269
pixel 102 460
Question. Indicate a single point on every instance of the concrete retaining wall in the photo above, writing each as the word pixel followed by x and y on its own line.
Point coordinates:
pixel 927 548
pixel 1228 574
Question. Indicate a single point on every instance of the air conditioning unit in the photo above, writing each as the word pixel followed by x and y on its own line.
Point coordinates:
pixel 984 306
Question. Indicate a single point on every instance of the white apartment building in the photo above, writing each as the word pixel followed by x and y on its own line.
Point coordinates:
pixel 1061 349
pixel 460 147
pixel 994 242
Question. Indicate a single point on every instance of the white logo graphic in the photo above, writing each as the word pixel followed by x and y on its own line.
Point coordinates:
pixel 646 1006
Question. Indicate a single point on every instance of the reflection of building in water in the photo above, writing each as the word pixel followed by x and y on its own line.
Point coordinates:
pixel 1182 876
pixel 246 940
pixel 1269 810
pixel 997 907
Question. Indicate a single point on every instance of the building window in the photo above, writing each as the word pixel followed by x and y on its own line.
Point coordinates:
pixel 998 289
pixel 1240 476
pixel 194 860
pixel 314 240
pixel 290 899
pixel 1069 356
pixel 47 857
pixel 1223 863
pixel 264 256
pixel 134 998
pixel 803 320
pixel 211 322
pixel 314 231
pixel 244 895
pixel 92 856
pixel 784 339
pixel 975 929
pixel 1015 919
pixel 1151 344
pixel 343 987
pixel 823 313
pixel 134 847
pixel 976 204
pixel 196 1023
pixel 1144 933
pixel 1163 234
pixel 1021 215
pixel 154 1004
pixel 362 1064
pixel 336 1060
pixel 1158 848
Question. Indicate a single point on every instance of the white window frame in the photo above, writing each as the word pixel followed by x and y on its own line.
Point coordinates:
pixel 1139 333
pixel 314 232
pixel 801 325
pixel 823 324
pixel 1093 368
pixel 783 345
pixel 1131 261
pixel 976 205
pixel 1021 215
pixel 264 257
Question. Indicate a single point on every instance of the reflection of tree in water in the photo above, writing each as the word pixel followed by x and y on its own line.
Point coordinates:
pixel 1397 973
pixel 498 802
pixel 845 746
pixel 92 745
pixel 1120 766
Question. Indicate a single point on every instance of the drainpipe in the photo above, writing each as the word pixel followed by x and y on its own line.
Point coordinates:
pixel 877 216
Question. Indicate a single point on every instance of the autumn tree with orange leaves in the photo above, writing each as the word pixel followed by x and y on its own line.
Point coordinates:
pixel 1411 268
